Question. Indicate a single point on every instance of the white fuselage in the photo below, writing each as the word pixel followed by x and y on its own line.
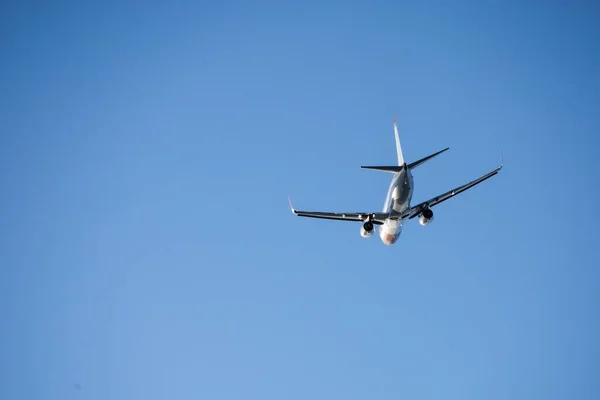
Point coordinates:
pixel 397 201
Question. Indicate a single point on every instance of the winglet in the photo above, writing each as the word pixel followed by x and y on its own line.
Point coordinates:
pixel 501 159
pixel 291 206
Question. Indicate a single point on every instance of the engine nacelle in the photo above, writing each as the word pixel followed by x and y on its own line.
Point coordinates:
pixel 426 217
pixel 367 229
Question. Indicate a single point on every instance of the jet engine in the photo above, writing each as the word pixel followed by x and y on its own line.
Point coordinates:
pixel 426 217
pixel 367 229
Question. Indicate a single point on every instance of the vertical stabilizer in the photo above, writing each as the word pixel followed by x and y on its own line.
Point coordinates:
pixel 398 147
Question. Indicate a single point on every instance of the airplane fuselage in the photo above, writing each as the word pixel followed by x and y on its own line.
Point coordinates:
pixel 396 202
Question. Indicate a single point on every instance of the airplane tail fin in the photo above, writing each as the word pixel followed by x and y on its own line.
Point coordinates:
pixel 398 147
pixel 391 168
pixel 424 159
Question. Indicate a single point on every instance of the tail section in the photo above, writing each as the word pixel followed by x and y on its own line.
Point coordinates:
pixel 398 147
pixel 424 159
pixel 401 163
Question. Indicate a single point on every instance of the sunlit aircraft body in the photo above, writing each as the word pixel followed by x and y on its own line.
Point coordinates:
pixel 397 206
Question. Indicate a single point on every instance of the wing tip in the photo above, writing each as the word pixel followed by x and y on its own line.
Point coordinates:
pixel 292 206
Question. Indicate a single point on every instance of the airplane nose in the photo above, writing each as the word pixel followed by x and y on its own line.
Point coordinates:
pixel 388 239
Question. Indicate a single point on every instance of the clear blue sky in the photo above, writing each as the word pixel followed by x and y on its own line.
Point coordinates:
pixel 147 250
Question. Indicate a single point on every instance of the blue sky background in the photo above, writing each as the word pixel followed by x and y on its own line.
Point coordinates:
pixel 147 250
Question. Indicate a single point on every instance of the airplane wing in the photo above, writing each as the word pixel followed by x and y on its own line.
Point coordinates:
pixel 376 218
pixel 416 210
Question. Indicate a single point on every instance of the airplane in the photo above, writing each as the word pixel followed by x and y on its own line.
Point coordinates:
pixel 397 206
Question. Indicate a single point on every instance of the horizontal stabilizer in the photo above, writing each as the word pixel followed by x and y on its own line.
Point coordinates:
pixel 391 168
pixel 422 160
